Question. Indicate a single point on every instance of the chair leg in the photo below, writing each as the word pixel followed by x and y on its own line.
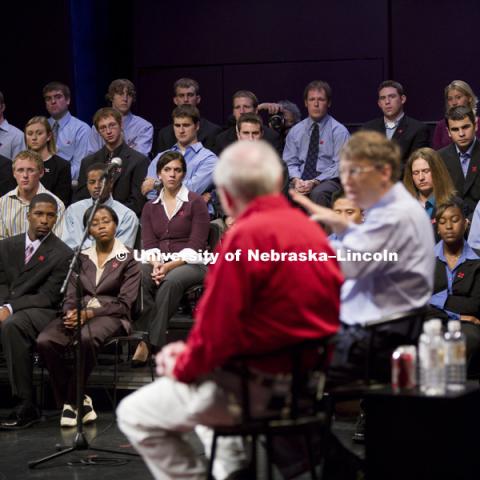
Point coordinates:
pixel 115 377
pixel 269 449
pixel 311 462
pixel 212 457
pixel 254 455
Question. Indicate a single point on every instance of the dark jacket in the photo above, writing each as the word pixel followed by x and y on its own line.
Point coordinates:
pixel 57 178
pixel 7 181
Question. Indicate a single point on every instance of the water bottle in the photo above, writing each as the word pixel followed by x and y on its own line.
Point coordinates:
pixel 431 351
pixel 455 357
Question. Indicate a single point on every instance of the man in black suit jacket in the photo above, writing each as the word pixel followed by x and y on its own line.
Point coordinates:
pixel 462 157
pixel 186 91
pixel 33 266
pixel 244 101
pixel 128 178
pixel 409 133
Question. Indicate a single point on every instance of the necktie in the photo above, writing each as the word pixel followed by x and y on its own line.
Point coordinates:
pixel 28 253
pixel 465 161
pixel 55 128
pixel 310 170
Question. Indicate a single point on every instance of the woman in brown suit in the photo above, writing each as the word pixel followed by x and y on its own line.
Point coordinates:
pixel 110 280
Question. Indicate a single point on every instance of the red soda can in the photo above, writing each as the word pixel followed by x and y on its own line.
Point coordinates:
pixel 404 368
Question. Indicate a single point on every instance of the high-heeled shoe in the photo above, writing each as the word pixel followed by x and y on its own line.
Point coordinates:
pixel 142 355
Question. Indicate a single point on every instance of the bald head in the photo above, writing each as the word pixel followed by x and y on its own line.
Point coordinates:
pixel 249 169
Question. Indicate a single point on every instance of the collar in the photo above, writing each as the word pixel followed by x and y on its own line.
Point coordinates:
pixel 467 253
pixel 5 126
pixel 389 123
pixel 118 249
pixel 182 195
pixel 127 119
pixel 468 151
pixel 430 201
pixel 14 192
pixel 264 203
pixel 115 152
pixel 321 122
pixel 196 147
pixel 64 120
pixel 36 243
pixel 108 202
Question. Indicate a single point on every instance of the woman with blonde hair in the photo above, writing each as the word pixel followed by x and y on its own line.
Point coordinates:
pixel 457 93
pixel 57 177
pixel 426 177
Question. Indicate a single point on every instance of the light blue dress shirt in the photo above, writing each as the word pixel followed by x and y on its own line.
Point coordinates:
pixel 332 136
pixel 12 140
pixel 465 157
pixel 137 134
pixel 72 141
pixel 474 234
pixel 73 227
pixel 200 165
pixel 374 289
pixel 438 299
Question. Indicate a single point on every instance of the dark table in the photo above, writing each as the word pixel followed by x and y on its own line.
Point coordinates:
pixel 412 436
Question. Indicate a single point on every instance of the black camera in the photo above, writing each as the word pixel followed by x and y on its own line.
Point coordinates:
pixel 277 122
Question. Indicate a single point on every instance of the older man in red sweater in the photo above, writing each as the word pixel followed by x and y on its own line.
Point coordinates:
pixel 249 306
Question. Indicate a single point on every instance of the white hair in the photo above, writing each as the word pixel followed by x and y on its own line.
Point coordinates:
pixel 248 169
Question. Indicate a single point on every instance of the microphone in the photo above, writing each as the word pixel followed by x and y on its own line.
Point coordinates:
pixel 115 163
pixel 157 185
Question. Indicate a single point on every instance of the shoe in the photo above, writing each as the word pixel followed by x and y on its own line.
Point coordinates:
pixel 69 416
pixel 359 434
pixel 138 363
pixel 141 356
pixel 23 416
pixel 89 414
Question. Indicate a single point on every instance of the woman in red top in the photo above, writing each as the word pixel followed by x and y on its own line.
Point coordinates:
pixel 177 222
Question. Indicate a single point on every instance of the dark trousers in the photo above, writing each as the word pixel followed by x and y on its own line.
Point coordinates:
pixel 19 332
pixel 161 302
pixel 322 193
pixel 53 343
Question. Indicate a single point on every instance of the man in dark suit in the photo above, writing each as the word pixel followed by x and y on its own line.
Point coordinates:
pixel 186 91
pixel 409 133
pixel 462 157
pixel 244 101
pixel 127 179
pixel 33 266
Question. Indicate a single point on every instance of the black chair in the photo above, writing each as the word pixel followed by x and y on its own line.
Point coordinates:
pixel 302 413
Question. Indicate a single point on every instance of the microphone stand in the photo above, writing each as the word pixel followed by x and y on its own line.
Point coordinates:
pixel 80 441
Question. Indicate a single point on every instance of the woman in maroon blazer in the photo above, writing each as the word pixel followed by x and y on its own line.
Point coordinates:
pixel 177 222
pixel 110 280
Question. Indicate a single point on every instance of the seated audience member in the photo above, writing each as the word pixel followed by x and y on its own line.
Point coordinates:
pixel 462 157
pixel 14 205
pixel 457 94
pixel 176 222
pixel 57 176
pixel 250 127
pixel 71 134
pixel 137 132
pixel 410 134
pixel 313 145
pixel 110 287
pixel 11 138
pixel 474 231
pixel 456 288
pixel 282 116
pixel 248 307
pixel 7 181
pixel 428 180
pixel 127 227
pixel 395 223
pixel 127 180
pixel 344 207
pixel 200 160
pixel 186 91
pixel 244 101
pixel 33 266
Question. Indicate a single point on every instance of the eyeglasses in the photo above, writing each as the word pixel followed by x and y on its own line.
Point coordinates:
pixel 356 171
pixel 425 171
pixel 110 126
